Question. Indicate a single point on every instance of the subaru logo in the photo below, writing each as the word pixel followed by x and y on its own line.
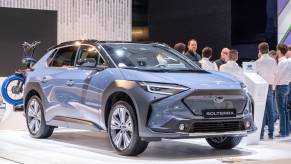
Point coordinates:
pixel 218 99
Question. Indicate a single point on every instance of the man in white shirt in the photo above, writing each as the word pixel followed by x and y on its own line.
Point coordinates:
pixel 289 97
pixel 282 89
pixel 288 55
pixel 273 54
pixel 206 64
pixel 266 67
pixel 283 56
pixel 231 67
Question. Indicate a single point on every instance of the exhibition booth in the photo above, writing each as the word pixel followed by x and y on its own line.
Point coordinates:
pixel 78 86
pixel 76 146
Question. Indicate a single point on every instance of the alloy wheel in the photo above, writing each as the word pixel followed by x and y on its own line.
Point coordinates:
pixel 121 128
pixel 34 116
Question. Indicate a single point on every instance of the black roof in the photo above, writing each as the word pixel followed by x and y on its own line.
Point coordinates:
pixel 94 42
pixel 91 41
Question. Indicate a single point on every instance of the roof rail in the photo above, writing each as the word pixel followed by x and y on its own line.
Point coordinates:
pixel 94 41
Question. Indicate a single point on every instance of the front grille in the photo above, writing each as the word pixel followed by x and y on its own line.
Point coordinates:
pixel 217 126
pixel 216 92
pixel 204 99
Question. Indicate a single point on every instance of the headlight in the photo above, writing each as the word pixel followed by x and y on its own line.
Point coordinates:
pixel 250 105
pixel 160 88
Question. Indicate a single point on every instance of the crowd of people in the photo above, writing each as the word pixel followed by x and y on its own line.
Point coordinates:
pixel 273 66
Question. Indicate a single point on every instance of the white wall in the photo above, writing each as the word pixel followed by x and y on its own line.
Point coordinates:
pixel 85 19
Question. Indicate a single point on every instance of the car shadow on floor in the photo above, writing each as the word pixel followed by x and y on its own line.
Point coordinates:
pixel 165 150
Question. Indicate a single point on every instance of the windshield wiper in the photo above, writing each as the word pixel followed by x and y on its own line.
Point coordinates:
pixel 189 70
pixel 146 69
pixel 165 69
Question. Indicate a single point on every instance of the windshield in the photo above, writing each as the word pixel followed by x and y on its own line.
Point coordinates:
pixel 153 57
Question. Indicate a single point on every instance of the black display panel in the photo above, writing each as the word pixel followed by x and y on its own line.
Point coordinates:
pixel 19 25
pixel 209 21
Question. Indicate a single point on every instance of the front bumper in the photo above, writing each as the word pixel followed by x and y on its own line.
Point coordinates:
pixel 175 131
pixel 164 116
pixel 180 135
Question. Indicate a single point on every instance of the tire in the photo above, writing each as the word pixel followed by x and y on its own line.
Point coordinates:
pixel 118 130
pixel 4 90
pixel 38 128
pixel 223 142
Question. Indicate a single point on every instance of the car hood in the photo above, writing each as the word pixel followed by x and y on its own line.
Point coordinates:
pixel 194 80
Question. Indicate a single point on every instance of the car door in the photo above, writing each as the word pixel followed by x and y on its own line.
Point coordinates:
pixel 89 64
pixel 56 84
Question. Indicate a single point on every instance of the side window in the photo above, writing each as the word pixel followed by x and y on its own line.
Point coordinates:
pixel 51 57
pixel 64 57
pixel 89 56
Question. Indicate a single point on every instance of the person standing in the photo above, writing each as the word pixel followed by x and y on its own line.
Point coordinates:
pixel 231 67
pixel 288 55
pixel 289 97
pixel 191 53
pixel 273 54
pixel 266 67
pixel 180 47
pixel 282 89
pixel 206 64
pixel 224 55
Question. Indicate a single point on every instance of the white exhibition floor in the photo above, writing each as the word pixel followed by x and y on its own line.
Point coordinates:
pixel 74 146
pixel 67 146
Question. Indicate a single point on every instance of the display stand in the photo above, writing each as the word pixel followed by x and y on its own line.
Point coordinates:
pixel 12 119
pixel 258 88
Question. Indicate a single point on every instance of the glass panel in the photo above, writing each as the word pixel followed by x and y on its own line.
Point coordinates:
pixel 64 57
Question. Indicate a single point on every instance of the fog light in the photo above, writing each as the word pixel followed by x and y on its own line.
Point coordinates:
pixel 248 124
pixel 181 127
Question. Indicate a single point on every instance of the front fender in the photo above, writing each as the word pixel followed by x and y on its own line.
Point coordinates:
pixel 33 86
pixel 123 86
pixel 141 100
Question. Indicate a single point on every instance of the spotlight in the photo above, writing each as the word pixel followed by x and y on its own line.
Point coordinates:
pixel 77 43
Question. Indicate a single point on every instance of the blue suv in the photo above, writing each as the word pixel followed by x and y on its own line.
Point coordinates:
pixel 137 92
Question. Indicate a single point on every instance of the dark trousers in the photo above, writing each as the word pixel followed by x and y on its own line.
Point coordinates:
pixel 282 93
pixel 289 105
pixel 275 106
pixel 269 115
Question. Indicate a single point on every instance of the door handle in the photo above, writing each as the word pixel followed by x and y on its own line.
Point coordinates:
pixel 44 79
pixel 70 83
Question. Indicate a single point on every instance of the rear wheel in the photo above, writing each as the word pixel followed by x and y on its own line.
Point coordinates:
pixel 223 142
pixel 12 89
pixel 35 121
pixel 123 130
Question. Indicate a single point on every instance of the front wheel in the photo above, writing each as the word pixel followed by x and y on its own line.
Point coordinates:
pixel 12 89
pixel 123 130
pixel 223 142
pixel 35 120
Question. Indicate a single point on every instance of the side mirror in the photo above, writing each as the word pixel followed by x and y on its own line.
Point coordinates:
pixel 29 61
pixel 101 67
pixel 88 62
